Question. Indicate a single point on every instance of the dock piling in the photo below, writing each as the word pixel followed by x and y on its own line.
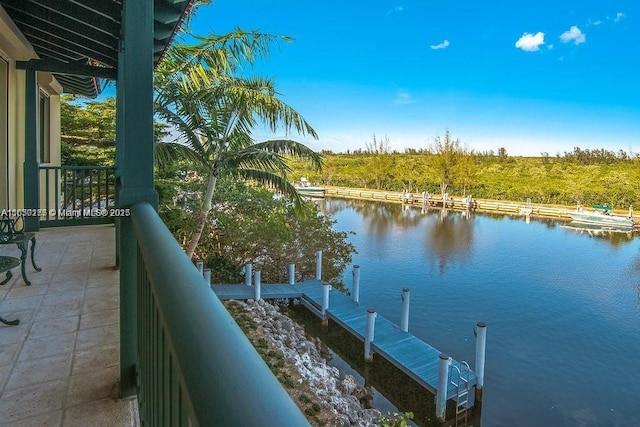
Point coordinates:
pixel 207 276
pixel 481 343
pixel 325 303
pixel 404 317
pixel 292 274
pixel 256 276
pixel 319 265
pixel 369 334
pixel 247 274
pixel 443 382
pixel 355 295
pixel 200 266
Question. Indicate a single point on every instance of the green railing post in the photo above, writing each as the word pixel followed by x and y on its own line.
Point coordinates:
pixel 134 132
pixel 31 166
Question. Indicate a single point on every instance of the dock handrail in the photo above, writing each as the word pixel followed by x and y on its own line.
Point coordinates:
pixel 196 366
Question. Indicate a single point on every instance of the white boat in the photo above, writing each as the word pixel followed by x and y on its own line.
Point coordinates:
pixel 602 216
pixel 306 189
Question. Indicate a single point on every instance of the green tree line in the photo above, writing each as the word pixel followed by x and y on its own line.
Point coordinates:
pixel 580 176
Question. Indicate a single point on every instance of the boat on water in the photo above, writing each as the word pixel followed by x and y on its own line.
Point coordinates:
pixel 306 189
pixel 601 216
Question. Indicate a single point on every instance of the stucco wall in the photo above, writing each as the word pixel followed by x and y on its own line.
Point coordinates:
pixel 14 47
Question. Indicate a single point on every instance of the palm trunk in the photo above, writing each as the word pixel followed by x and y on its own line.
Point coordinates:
pixel 204 214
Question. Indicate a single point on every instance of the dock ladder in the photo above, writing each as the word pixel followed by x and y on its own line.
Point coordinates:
pixel 462 390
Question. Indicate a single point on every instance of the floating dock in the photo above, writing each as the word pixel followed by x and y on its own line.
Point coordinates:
pixel 417 359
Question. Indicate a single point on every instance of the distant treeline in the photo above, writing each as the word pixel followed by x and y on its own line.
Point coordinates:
pixel 581 176
pixel 578 155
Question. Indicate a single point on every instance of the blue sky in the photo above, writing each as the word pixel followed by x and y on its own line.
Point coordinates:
pixel 532 77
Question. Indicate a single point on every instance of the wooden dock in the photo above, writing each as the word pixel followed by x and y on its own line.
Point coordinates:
pixel 414 357
pixel 453 202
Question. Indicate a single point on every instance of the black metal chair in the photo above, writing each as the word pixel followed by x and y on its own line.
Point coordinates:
pixel 12 232
pixel 6 264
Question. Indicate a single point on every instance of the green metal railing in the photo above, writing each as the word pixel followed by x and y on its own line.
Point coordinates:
pixel 195 365
pixel 77 195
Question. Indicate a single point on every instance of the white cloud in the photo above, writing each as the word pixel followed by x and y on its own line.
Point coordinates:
pixel 573 35
pixel 530 42
pixel 619 16
pixel 591 23
pixel 550 46
pixel 443 45
pixel 397 9
pixel 403 98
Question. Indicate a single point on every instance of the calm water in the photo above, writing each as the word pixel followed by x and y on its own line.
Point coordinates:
pixel 562 306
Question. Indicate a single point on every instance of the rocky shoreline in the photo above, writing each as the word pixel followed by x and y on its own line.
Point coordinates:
pixel 336 401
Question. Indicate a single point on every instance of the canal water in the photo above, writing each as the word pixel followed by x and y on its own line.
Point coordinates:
pixel 562 305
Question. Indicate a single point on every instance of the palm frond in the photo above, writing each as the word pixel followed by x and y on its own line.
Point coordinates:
pixel 167 153
pixel 272 180
pixel 293 149
pixel 251 158
pixel 194 65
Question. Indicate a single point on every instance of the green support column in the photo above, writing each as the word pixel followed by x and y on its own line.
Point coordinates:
pixel 119 147
pixel 31 166
pixel 135 81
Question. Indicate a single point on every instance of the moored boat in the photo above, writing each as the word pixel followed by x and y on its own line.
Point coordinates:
pixel 306 189
pixel 602 216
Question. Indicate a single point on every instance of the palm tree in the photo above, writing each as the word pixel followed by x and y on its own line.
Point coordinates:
pixel 214 110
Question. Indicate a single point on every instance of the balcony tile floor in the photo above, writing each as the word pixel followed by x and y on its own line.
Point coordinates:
pixel 60 365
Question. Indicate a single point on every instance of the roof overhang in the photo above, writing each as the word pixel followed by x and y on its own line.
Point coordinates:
pixel 78 40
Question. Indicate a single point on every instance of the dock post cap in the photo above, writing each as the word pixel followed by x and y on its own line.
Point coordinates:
pixel 405 289
pixel 356 266
pixel 482 325
pixel 326 284
pixel 444 356
pixel 371 310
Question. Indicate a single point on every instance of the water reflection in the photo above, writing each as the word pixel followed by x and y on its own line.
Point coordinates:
pixel 450 238
pixel 379 217
pixel 558 300
pixel 612 236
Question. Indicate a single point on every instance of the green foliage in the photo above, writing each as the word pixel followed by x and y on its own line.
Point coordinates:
pixel 445 162
pixel 379 164
pixel 396 419
pixel 203 91
pixel 562 180
pixel 88 131
pixel 253 226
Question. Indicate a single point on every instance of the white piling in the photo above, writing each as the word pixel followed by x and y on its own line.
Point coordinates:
pixel 207 276
pixel 319 265
pixel 369 334
pixel 325 302
pixel 443 382
pixel 355 294
pixel 200 266
pixel 404 315
pixel 247 274
pixel 256 290
pixel 481 344
pixel 292 274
